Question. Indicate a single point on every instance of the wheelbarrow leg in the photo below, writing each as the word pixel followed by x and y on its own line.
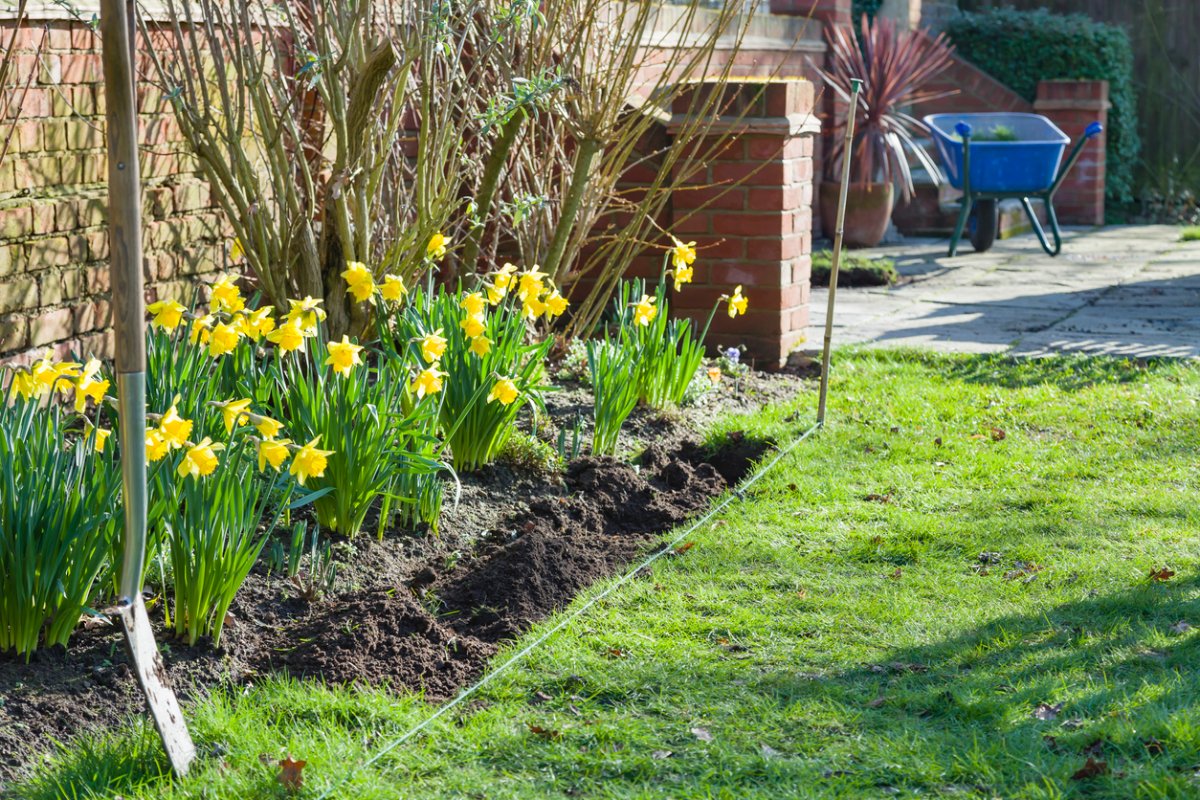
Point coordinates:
pixel 1037 225
pixel 963 215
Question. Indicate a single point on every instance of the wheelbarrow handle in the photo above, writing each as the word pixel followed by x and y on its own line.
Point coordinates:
pixel 1092 130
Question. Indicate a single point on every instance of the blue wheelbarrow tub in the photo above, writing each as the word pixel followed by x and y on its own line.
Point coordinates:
pixel 1028 165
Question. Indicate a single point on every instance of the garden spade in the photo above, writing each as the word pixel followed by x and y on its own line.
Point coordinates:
pixel 125 239
pixel 847 153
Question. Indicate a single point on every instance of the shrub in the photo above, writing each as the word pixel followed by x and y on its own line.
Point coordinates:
pixel 1020 48
pixel 855 270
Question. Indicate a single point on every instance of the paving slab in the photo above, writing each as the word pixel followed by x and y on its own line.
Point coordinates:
pixel 1120 290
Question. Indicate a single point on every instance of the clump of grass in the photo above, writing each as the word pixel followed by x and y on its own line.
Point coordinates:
pixel 1190 234
pixel 526 452
pixel 855 270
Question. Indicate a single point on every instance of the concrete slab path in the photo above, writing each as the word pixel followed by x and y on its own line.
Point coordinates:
pixel 1121 290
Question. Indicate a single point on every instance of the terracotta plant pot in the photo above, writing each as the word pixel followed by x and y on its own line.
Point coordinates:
pixel 868 211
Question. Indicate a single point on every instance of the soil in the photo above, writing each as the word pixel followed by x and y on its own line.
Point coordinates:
pixel 415 610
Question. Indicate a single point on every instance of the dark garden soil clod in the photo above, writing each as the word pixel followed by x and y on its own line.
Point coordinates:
pixel 417 612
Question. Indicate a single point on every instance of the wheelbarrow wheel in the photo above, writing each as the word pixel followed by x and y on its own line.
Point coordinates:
pixel 985 225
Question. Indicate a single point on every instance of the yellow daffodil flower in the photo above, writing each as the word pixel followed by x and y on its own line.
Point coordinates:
pixel 533 307
pixel 226 296
pixel 256 324
pixel 504 278
pixel 428 381
pixel 481 346
pixel 556 304
pixel 236 251
pixel 307 312
pixel 201 329
pixel 23 384
pixel 49 375
pixel 157 446
pixel 174 429
pixel 200 459
pixel 273 452
pixel 644 311
pixel 101 439
pixel 473 303
pixel 86 386
pixel 234 413
pixel 309 462
pixel 167 314
pixel 267 427
pixel 223 339
pixel 473 326
pixel 360 281
pixel 682 255
pixel 343 356
pixel 437 246
pixel 530 284
pixel 393 289
pixel 683 275
pixel 505 391
pixel 433 345
pixel 288 337
pixel 494 293
pixel 737 303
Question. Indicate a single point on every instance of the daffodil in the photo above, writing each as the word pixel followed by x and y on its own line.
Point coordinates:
pixel 473 326
pixel 157 445
pixel 343 356
pixel 267 427
pixel 236 251
pixel 644 311
pixel 428 381
pixel 307 312
pixel 49 374
pixel 87 387
pixel 167 314
pixel 433 345
pixel 226 296
pixel 683 275
pixel 504 278
pixel 200 459
pixel 556 304
pixel 481 346
pixel 223 339
pixel 101 439
pixel 494 293
pixel 174 429
pixel 256 324
pixel 682 255
pixel 288 337
pixel 737 303
pixel 393 288
pixel 23 384
pixel 201 329
pixel 533 307
pixel 234 413
pixel 473 303
pixel 530 284
pixel 360 281
pixel 309 462
pixel 437 246
pixel 505 391
pixel 273 452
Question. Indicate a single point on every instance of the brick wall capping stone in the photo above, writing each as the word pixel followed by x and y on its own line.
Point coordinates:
pixel 790 126
pixel 47 10
pixel 759 32
pixel 1066 104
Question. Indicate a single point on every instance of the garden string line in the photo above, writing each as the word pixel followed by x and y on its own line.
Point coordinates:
pixel 738 493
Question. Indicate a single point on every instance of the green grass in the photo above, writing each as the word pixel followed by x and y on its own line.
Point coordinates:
pixel 862 641
pixel 855 270
pixel 1190 234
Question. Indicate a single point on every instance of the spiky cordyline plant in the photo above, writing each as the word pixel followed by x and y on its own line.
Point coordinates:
pixel 895 67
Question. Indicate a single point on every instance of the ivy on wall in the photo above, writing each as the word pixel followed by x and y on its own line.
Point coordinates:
pixel 868 7
pixel 1020 48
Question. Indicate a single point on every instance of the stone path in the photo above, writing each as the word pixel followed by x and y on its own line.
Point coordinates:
pixel 1129 290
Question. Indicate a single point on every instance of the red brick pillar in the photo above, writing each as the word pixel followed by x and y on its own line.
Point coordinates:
pixel 835 12
pixel 757 234
pixel 1072 106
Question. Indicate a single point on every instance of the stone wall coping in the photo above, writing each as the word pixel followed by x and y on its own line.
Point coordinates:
pixel 791 126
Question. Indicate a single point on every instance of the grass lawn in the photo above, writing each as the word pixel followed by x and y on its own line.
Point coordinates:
pixel 946 593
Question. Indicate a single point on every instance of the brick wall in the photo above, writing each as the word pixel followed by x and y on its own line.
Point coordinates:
pixel 1073 105
pixel 54 281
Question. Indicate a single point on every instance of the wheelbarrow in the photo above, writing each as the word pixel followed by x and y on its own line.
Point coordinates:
pixel 993 157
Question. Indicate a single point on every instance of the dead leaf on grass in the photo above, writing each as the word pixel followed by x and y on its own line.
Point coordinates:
pixel 659 755
pixel 291 774
pixel 1091 769
pixel 937 442
pixel 768 751
pixel 895 576
pixel 683 548
pixel 1023 569
pixel 998 434
pixel 878 498
pixel 1047 712
pixel 616 652
pixel 877 702
pixel 541 697
pixel 1183 626
pixel 1154 747
pixel 702 734
pixel 545 733
pixel 1162 575
pixel 803 593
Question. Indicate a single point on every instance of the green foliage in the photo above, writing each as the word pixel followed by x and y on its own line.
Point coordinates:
pixel 1020 48
pixel 527 452
pixel 57 523
pixel 868 7
pixel 215 537
pixel 1190 234
pixel 615 373
pixel 855 270
pixel 667 352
